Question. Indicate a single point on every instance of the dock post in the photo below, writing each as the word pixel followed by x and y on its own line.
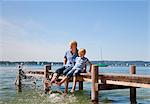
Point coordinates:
pixel 46 73
pixel 94 76
pixel 133 89
pixel 19 80
pixel 80 85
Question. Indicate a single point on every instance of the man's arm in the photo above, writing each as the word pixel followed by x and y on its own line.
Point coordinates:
pixel 65 61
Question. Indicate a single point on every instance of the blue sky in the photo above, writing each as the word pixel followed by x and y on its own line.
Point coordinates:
pixel 41 30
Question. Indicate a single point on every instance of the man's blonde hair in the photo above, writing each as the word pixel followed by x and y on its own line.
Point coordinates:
pixel 73 42
pixel 82 50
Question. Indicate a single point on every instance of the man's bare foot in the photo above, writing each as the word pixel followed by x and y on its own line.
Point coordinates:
pixel 48 84
pixel 45 81
pixel 58 83
pixel 50 92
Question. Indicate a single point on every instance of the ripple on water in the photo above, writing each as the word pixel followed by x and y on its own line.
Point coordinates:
pixel 8 94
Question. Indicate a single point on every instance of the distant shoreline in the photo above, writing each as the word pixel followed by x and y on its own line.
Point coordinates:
pixel 110 63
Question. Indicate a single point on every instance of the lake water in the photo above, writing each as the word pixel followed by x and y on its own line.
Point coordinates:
pixel 32 95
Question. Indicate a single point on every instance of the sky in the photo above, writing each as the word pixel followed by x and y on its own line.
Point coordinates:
pixel 41 30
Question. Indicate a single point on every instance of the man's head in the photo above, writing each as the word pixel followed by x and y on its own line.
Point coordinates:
pixel 73 45
pixel 81 52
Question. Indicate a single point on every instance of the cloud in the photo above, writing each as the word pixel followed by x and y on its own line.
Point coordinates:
pixel 28 41
pixel 32 40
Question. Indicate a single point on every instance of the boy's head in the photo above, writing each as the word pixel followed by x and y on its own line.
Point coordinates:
pixel 73 45
pixel 81 52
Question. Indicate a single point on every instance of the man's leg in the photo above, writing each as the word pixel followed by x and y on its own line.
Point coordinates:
pixel 68 76
pixel 67 70
pixel 62 81
pixel 57 73
pixel 54 78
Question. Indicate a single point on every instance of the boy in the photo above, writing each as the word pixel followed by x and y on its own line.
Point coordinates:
pixel 79 67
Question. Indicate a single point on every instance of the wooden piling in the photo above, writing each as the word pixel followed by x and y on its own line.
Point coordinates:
pixel 46 70
pixel 19 80
pixel 46 74
pixel 80 85
pixel 94 76
pixel 133 89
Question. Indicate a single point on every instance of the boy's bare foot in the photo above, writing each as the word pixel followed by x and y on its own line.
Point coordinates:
pixel 72 92
pixel 64 94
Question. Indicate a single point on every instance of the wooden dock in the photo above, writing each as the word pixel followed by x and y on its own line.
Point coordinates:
pixel 99 81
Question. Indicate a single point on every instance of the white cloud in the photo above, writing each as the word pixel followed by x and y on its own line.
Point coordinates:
pixel 31 40
pixel 28 41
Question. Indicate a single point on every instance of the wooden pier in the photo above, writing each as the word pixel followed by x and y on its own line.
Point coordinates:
pixel 100 81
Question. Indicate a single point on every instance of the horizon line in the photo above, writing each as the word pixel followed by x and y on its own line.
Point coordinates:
pixel 62 61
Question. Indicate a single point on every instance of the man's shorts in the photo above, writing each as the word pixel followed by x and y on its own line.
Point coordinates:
pixel 73 72
pixel 63 70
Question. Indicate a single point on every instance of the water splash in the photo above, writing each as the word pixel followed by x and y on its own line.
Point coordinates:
pixel 60 99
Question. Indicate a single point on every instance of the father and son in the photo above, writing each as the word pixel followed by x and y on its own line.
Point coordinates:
pixel 74 63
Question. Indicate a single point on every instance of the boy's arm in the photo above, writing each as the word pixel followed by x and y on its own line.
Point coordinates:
pixel 90 66
pixel 85 65
pixel 84 68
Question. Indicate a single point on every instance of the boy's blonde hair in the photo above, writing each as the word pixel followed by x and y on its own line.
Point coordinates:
pixel 73 42
pixel 82 50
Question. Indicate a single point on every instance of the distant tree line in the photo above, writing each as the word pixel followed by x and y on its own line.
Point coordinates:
pixel 110 63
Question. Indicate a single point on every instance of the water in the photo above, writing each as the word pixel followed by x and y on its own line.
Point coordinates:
pixel 31 95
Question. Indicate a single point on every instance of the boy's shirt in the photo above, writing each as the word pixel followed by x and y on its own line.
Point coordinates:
pixel 80 63
pixel 70 58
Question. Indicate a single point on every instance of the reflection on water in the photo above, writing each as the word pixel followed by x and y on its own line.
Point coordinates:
pixel 31 95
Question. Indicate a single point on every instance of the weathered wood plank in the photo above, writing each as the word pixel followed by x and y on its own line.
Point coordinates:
pixel 121 77
pixel 110 87
pixel 125 78
pixel 128 84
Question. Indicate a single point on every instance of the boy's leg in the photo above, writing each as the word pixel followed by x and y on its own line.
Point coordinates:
pixel 75 74
pixel 66 86
pixel 74 84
